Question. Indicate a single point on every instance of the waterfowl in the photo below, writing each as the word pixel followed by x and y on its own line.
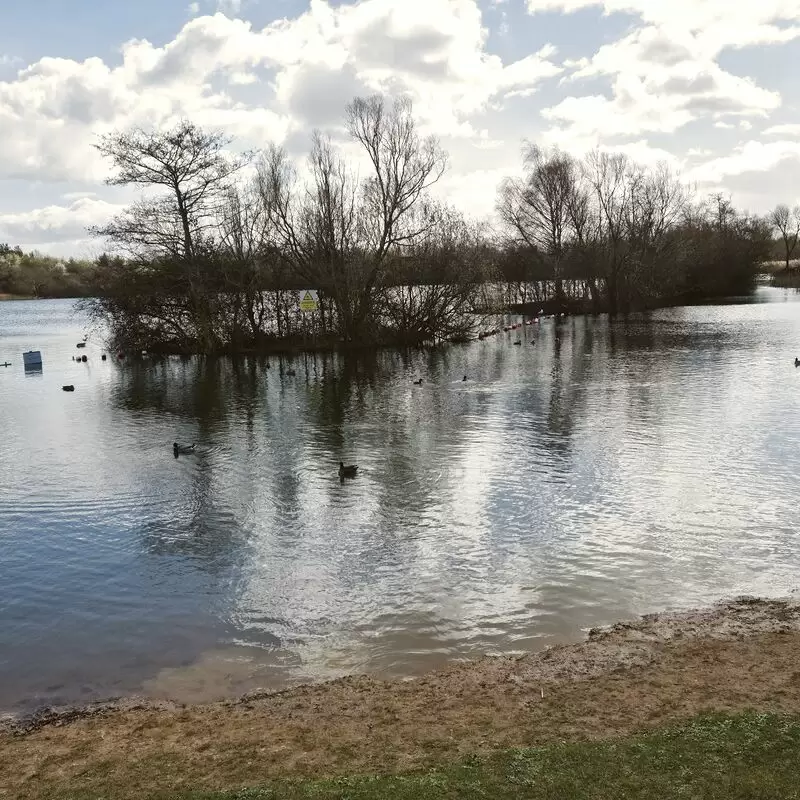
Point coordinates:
pixel 797 362
pixel 464 378
pixel 418 383
pixel 182 449
pixel 69 388
pixel 518 342
pixel 291 373
pixel 81 344
pixel 347 472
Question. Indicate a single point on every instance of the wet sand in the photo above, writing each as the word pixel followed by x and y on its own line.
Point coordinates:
pixel 743 654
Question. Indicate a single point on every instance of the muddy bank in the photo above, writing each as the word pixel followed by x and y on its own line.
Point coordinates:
pixel 633 675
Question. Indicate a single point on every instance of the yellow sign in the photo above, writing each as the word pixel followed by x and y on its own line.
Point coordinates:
pixel 309 302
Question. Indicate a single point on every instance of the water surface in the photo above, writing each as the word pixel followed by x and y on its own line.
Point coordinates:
pixel 611 469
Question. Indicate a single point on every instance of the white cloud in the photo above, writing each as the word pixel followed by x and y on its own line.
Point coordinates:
pixel 55 224
pixel 78 195
pixel 718 24
pixel 662 78
pixel 433 50
pixel 664 72
pixel 753 156
pixel 659 83
pixel 474 192
pixel 51 113
pixel 787 129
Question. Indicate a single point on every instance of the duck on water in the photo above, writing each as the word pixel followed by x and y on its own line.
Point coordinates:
pixel 182 449
pixel 347 471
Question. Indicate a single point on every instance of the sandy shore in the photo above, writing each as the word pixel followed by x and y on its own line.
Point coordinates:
pixel 743 654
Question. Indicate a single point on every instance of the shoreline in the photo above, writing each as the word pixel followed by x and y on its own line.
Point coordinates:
pixel 623 645
pixel 632 677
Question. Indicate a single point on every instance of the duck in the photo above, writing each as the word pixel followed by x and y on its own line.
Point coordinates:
pixel 290 373
pixel 182 449
pixel 519 341
pixel 68 388
pixel 464 378
pixel 418 383
pixel 797 362
pixel 347 471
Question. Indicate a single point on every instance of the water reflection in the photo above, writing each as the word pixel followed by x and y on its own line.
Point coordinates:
pixel 614 467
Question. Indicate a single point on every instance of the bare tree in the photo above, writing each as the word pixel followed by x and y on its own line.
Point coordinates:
pixel 433 285
pixel 193 172
pixel 605 174
pixel 655 202
pixel 538 208
pixel 245 259
pixel 189 163
pixel 404 166
pixel 317 227
pixel 787 223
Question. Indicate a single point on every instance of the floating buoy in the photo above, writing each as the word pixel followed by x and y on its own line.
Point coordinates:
pixel 69 388
pixel 32 360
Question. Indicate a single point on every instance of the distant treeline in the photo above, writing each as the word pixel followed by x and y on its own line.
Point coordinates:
pixel 217 255
pixel 37 275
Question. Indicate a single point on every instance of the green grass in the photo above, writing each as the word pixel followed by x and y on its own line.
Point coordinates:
pixel 738 757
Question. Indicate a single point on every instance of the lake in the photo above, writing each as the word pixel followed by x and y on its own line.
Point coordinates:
pixel 611 469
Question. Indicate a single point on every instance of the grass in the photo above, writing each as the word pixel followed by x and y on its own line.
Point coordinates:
pixel 739 757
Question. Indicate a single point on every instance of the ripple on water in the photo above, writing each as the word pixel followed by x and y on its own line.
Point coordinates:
pixel 615 468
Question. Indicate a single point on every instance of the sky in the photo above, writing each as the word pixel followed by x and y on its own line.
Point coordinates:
pixel 709 86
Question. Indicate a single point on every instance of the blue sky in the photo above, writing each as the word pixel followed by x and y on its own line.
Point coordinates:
pixel 706 85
